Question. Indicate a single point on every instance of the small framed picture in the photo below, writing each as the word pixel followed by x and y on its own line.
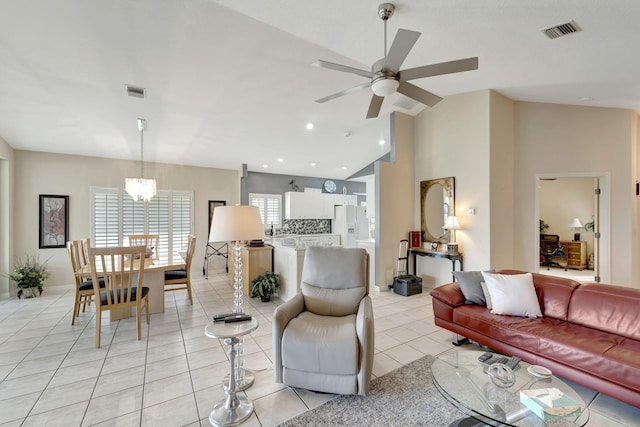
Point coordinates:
pixel 212 205
pixel 54 221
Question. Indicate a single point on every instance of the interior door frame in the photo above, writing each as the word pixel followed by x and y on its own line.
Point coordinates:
pixel 603 251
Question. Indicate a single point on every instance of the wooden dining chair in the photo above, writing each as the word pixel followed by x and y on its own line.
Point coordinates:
pixel 175 280
pixel 150 241
pixel 122 269
pixel 84 285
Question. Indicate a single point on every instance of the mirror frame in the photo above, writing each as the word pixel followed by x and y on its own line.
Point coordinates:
pixel 449 186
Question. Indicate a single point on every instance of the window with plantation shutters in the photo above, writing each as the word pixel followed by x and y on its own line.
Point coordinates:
pixel 270 206
pixel 115 215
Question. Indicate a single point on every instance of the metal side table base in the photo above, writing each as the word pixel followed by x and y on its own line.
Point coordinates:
pixel 234 409
pixel 244 383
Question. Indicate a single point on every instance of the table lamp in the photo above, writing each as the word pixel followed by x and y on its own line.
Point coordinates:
pixel 235 224
pixel 577 225
pixel 452 224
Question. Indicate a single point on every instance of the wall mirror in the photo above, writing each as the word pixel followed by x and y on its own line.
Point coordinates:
pixel 437 198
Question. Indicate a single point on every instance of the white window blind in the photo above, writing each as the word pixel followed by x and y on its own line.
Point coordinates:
pixel 270 206
pixel 115 215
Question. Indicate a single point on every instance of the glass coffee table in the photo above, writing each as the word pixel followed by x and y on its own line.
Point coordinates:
pixel 462 380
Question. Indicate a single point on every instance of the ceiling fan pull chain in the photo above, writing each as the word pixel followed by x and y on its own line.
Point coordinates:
pixel 385 39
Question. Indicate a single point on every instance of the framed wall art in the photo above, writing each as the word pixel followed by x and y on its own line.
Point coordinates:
pixel 212 205
pixel 54 221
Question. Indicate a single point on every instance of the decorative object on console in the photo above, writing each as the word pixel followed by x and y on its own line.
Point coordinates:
pixel 452 225
pixel 576 225
pixel 141 188
pixel 415 239
pixel 236 223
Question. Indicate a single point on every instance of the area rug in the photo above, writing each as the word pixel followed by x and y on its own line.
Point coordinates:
pixel 404 397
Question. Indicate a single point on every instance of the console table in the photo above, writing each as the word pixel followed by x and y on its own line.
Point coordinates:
pixel 435 254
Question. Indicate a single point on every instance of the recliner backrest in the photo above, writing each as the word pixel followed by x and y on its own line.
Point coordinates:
pixel 334 280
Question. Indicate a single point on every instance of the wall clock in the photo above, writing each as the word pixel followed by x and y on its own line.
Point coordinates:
pixel 329 186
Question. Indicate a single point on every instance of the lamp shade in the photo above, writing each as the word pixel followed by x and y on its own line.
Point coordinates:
pixel 451 223
pixel 575 223
pixel 236 223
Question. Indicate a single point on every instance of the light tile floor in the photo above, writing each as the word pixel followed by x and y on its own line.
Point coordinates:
pixel 52 374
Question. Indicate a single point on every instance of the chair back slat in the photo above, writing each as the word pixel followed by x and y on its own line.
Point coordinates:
pixel 191 249
pixel 150 241
pixel 122 269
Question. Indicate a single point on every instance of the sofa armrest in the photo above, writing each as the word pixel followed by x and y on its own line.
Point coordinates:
pixel 449 294
pixel 281 318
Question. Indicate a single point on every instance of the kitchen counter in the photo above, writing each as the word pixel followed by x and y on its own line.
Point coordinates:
pixel 304 240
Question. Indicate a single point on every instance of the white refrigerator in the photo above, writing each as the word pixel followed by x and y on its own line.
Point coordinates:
pixel 351 224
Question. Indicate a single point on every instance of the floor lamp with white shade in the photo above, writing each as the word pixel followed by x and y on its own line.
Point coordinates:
pixel 235 224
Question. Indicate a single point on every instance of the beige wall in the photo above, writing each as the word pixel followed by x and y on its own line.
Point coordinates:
pixel 497 150
pixel 566 140
pixel 6 214
pixel 43 173
pixel 560 200
pixel 452 139
pixel 396 197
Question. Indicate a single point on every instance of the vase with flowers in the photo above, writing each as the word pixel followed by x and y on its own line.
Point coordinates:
pixel 29 274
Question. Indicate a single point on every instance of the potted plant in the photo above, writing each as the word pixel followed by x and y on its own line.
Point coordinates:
pixel 265 285
pixel 29 274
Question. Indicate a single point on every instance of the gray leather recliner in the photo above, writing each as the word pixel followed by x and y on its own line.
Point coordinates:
pixel 323 337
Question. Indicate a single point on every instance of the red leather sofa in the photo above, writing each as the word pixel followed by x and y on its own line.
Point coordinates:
pixel 589 333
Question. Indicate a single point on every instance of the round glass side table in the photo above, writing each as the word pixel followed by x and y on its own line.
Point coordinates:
pixel 234 409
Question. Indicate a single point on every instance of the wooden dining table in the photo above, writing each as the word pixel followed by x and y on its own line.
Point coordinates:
pixel 153 278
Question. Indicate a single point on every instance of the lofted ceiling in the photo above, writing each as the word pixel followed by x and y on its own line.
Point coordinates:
pixel 230 81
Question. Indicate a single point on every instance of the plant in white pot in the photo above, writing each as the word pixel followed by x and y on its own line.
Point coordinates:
pixel 265 285
pixel 29 274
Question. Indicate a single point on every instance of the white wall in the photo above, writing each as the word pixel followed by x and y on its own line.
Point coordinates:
pixel 6 215
pixel 44 173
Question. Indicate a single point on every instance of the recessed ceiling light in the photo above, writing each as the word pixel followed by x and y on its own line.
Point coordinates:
pixel 344 168
pixel 381 142
pixel 313 163
pixel 280 160
pixel 309 126
pixel 265 165
pixel 587 99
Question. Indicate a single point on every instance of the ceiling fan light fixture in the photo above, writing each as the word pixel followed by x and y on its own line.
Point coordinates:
pixel 385 86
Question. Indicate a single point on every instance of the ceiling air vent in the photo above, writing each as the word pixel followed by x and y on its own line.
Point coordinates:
pixel 561 30
pixel 138 92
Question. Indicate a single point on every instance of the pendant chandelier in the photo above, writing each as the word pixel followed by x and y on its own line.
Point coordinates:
pixel 141 188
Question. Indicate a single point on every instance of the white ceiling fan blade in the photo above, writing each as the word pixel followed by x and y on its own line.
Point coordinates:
pixel 400 48
pixel 344 92
pixel 449 67
pixel 374 106
pixel 345 69
pixel 419 94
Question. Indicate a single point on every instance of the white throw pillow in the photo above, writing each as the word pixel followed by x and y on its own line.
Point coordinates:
pixel 512 294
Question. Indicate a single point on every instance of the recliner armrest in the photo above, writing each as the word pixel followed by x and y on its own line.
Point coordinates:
pixel 366 335
pixel 281 318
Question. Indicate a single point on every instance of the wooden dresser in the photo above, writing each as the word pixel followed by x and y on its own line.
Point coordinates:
pixel 576 254
pixel 255 261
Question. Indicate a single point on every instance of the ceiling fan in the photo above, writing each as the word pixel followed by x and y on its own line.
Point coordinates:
pixel 386 76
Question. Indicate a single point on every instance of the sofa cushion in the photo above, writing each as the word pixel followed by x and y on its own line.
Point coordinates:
pixel 512 294
pixel 470 286
pixel 610 308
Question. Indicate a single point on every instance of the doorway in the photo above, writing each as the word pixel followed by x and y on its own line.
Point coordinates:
pixel 561 200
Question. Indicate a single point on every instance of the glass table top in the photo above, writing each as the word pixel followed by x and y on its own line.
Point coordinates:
pixel 461 378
